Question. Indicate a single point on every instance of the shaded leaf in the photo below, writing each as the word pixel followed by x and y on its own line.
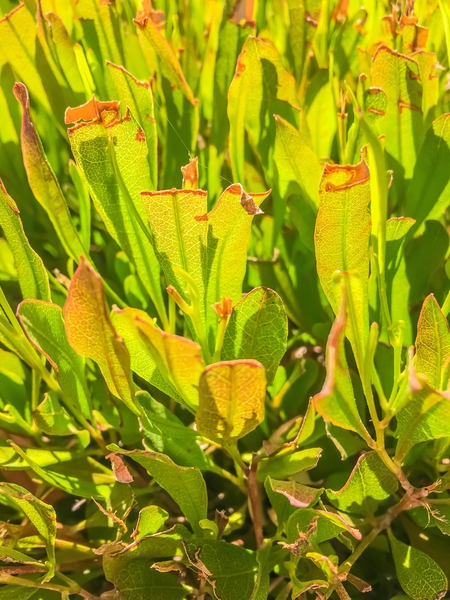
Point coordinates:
pixel 418 574
pixel 299 495
pixel 329 525
pixel 288 464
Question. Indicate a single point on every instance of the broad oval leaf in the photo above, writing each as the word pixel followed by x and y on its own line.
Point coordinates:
pixel 419 575
pixel 184 484
pixel 257 329
pixel 369 483
pixel 90 332
pixel 300 496
pixel 231 400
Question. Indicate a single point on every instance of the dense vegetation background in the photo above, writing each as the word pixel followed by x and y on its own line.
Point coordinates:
pixel 236 387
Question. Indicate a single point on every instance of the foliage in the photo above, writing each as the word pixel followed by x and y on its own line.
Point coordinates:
pixel 224 351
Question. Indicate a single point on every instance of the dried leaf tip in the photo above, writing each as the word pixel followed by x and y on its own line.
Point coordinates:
pixel 94 111
pixel 190 174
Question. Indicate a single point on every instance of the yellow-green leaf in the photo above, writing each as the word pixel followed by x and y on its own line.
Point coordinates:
pixel 91 334
pixel 432 342
pixel 43 181
pixel 178 359
pixel 33 279
pixel 342 237
pixel 231 400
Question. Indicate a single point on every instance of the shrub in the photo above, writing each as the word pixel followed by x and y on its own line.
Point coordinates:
pixel 239 393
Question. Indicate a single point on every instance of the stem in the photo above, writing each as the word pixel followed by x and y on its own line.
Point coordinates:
pixel 222 327
pixel 172 314
pixel 9 313
pixel 367 377
pixel 35 385
pixel 255 504
pixel 296 373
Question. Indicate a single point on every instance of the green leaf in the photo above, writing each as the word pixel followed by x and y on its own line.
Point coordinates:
pixel 168 434
pixel 418 574
pixel 298 174
pixel 138 96
pixel 428 193
pixel 403 123
pixel 369 483
pixel 228 234
pixel 31 272
pixel 170 66
pixel 52 419
pixel 257 329
pixel 44 326
pixel 336 401
pixel 43 181
pixel 432 342
pixel 178 359
pixel 43 457
pixel 90 332
pixel 151 519
pixel 14 592
pixel 142 362
pixel 42 516
pixel 329 525
pixel 300 496
pixel 342 244
pixel 425 417
pixel 179 238
pixel 184 484
pixel 19 45
pixel 289 463
pixel 231 400
pixel 136 581
pixel 114 187
pixel 230 570
pixel 84 477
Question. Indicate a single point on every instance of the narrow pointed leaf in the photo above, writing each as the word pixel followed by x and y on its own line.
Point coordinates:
pixel 44 326
pixel 342 242
pixel 43 181
pixel 33 279
pixel 369 483
pixel 336 401
pixel 184 484
pixel 432 342
pixel 42 516
pixel 231 400
pixel 298 174
pixel 419 575
pixel 257 329
pixel 90 332
pixel 178 359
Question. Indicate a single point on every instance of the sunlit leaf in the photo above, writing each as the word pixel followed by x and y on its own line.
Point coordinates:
pixel 90 332
pixel 432 342
pixel 44 326
pixel 184 484
pixel 31 272
pixel 288 464
pixel 231 399
pixel 300 496
pixel 369 483
pixel 342 243
pixel 257 329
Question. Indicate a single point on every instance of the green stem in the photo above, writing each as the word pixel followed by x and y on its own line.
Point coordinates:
pixel 222 327
pixel 9 313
